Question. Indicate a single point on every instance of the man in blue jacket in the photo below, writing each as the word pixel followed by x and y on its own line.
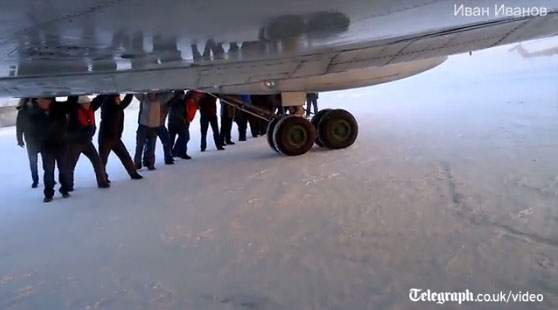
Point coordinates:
pixel 179 124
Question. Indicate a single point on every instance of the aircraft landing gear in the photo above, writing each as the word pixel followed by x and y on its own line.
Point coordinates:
pixel 292 135
pixel 316 121
pixel 269 132
pixel 337 129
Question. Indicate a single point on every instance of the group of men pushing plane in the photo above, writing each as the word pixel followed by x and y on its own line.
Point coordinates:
pixel 60 131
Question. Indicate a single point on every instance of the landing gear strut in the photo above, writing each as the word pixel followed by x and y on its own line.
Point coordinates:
pixel 316 121
pixel 269 133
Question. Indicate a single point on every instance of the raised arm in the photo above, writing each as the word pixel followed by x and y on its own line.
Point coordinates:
pixel 72 100
pixel 127 100
pixel 68 105
pixel 166 97
pixel 140 97
pixel 98 101
pixel 20 126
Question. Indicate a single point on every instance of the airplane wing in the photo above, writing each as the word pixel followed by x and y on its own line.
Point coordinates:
pixel 62 47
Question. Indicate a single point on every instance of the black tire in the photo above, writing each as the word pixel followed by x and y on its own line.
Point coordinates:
pixel 294 135
pixel 316 121
pixel 269 132
pixel 338 129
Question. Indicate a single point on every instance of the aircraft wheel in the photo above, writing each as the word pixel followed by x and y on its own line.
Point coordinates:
pixel 294 135
pixel 316 121
pixel 270 128
pixel 338 129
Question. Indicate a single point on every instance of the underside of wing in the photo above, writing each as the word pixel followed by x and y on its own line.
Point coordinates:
pixel 276 62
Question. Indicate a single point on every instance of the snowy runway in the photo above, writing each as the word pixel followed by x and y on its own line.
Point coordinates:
pixel 452 185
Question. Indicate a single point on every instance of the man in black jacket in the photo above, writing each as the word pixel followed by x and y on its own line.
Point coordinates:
pixel 110 133
pixel 179 125
pixel 227 117
pixel 242 119
pixel 47 123
pixel 311 101
pixel 208 116
pixel 23 132
pixel 81 128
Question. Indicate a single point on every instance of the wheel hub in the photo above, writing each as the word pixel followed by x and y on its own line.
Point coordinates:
pixel 341 130
pixel 297 136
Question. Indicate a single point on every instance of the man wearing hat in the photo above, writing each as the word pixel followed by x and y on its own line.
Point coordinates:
pixel 81 128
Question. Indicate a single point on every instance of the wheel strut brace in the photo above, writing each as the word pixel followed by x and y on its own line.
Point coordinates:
pixel 250 109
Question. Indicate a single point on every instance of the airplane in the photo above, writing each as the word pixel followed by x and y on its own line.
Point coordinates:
pixel 540 53
pixel 287 47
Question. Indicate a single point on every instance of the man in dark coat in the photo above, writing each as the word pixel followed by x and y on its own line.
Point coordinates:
pixel 81 128
pixel 241 118
pixel 23 132
pixel 179 124
pixel 208 116
pixel 253 121
pixel 48 122
pixel 110 133
pixel 227 117
pixel 311 101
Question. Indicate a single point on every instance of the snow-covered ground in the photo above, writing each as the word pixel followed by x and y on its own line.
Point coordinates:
pixel 452 185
